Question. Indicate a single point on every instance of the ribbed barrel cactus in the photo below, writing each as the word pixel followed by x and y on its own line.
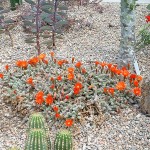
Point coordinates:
pixel 36 140
pixel 37 121
pixel 127 18
pixel 63 141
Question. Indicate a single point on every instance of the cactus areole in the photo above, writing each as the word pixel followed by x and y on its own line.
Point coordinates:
pixel 127 42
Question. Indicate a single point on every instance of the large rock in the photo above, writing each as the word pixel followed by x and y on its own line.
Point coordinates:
pixel 145 101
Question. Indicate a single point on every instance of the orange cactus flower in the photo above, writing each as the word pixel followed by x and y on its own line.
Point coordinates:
pixel 52 86
pixel 39 101
pixel 7 67
pixel 109 66
pixel 55 108
pixel 137 91
pixel 139 78
pixel 52 54
pixel 111 91
pixel 59 78
pixel 42 56
pixel 33 61
pixel 30 81
pixel 69 122
pixel 113 69
pixel 78 85
pixel 103 64
pixel 136 83
pixel 40 94
pixel 71 70
pixel 18 63
pixel 120 86
pixel 57 115
pixel 83 70
pixel 118 72
pixel 67 97
pixel 49 99
pixel 125 73
pixel 70 76
pixel 22 64
pixel 60 62
pixel 1 75
pixel 78 64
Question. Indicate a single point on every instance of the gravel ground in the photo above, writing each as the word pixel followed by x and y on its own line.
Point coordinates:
pixel 95 36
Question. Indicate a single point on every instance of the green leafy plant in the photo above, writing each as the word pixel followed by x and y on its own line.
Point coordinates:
pixel 6 25
pixel 14 2
pixel 143 38
pixel 45 20
pixel 64 91
pixel 63 140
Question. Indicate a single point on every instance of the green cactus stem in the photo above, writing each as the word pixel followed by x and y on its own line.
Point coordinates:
pixel 37 121
pixel 36 140
pixel 63 141
pixel 127 18
pixel 13 4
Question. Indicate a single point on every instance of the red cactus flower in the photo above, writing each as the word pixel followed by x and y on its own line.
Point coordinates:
pixel 39 97
pixel 55 108
pixel 1 75
pixel 39 101
pixel 120 86
pixel 67 97
pixel 52 79
pixel 69 122
pixel 136 83
pixel 57 115
pixel 7 67
pixel 40 94
pixel 60 62
pixel 76 91
pixel 125 73
pixel 83 70
pixel 105 90
pixel 97 63
pixel 49 99
pixel 132 76
pixel 139 78
pixel 78 64
pixel 59 78
pixel 111 91
pixel 22 64
pixel 33 61
pixel 103 64
pixel 147 18
pixel 109 66
pixel 137 91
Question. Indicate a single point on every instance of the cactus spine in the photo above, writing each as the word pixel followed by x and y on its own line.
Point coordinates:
pixel 127 18
pixel 63 141
pixel 36 140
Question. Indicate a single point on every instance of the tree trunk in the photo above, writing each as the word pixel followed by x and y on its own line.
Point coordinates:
pixel 127 18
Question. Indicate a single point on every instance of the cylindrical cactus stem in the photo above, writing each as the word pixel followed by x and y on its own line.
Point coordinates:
pixel 63 141
pixel 36 120
pixel 36 140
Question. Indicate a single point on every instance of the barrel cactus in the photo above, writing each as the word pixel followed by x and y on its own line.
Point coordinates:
pixel 63 141
pixel 36 140
pixel 37 121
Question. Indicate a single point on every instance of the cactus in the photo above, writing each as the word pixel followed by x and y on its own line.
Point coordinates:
pixel 63 141
pixel 37 121
pixel 127 17
pixel 36 140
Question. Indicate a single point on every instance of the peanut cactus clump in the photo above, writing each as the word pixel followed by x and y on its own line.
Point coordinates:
pixel 63 141
pixel 63 89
